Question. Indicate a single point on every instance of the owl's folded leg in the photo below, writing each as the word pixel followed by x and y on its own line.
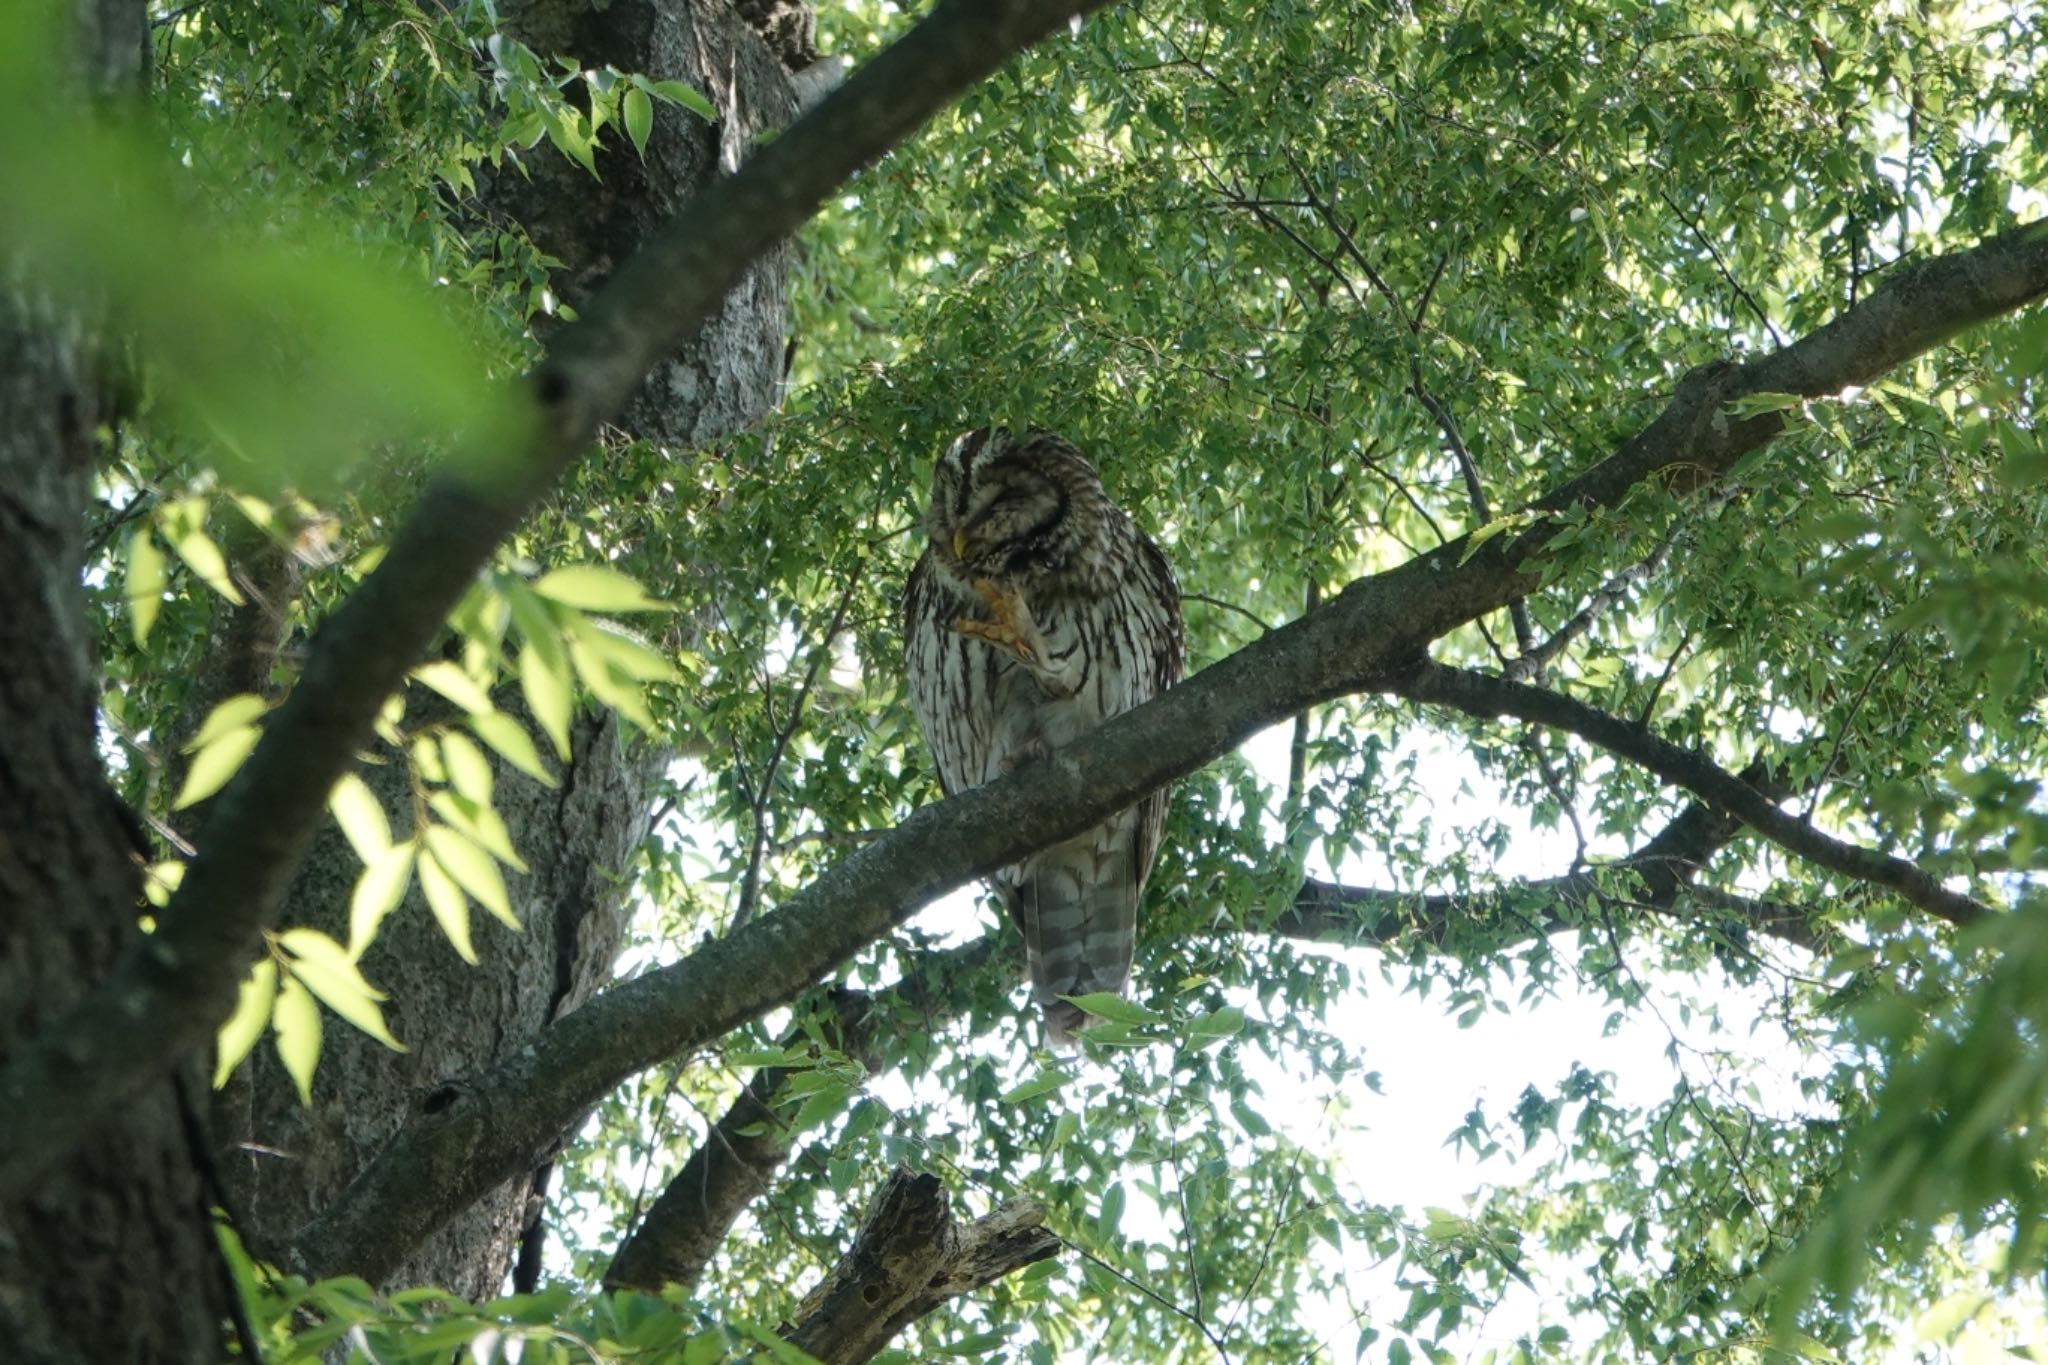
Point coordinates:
pixel 1015 633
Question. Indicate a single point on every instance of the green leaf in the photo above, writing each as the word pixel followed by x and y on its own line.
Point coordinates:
pixel 472 870
pixel 1250 1119
pixel 330 973
pixel 639 111
pixel 361 817
pixel 469 772
pixel 979 1346
pixel 630 657
pixel 1215 1026
pixel 296 1020
pixel 236 713
pixel 1110 1214
pixel 544 680
pixel 1114 1008
pixel 245 1026
pixel 819 1107
pixel 205 560
pixel 452 682
pixel 450 906
pixel 676 92
pixel 1756 404
pixel 212 766
pixel 567 130
pixel 504 734
pixel 592 587
pixel 1045 1082
pixel 145 584
pixel 482 826
pixel 1479 537
pixel 610 685
pixel 378 890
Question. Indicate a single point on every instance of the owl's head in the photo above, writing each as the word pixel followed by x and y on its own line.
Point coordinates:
pixel 1029 510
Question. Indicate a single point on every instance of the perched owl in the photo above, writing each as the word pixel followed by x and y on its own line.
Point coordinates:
pixel 1037 612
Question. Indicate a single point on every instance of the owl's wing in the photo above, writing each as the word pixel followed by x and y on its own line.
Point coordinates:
pixel 951 681
pixel 1077 902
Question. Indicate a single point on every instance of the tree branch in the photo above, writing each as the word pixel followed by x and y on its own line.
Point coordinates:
pixel 909 1258
pixel 731 1169
pixel 735 1166
pixel 1662 871
pixel 1359 639
pixel 699 1207
pixel 1481 695
pixel 167 995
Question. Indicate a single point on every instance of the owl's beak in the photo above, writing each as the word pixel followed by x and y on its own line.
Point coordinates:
pixel 959 544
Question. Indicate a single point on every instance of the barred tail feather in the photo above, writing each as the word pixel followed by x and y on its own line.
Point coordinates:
pixel 1078 905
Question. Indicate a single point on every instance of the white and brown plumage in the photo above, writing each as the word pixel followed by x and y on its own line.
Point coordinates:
pixel 1037 612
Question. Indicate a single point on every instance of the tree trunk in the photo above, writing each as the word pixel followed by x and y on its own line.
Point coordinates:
pixel 285 1161
pixel 111 1256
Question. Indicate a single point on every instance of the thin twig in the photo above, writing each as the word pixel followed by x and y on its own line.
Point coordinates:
pixel 1848 726
pixel 1721 266
pixel 1149 1292
pixel 1265 627
pixel 1530 666
pixel 750 885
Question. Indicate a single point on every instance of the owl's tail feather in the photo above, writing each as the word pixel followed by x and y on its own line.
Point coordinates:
pixel 1080 919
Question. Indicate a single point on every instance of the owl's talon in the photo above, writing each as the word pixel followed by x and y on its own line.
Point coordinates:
pixel 1029 751
pixel 1001 634
pixel 1004 603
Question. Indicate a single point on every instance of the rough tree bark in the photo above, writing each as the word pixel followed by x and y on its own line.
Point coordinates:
pixel 285 1161
pixel 908 1258
pixel 110 1256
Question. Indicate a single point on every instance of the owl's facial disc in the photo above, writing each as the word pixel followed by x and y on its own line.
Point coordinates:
pixel 1010 526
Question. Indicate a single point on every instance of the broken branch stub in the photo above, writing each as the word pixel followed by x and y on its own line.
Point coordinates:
pixel 909 1257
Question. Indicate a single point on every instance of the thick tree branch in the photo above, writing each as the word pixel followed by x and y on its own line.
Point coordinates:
pixel 1364 637
pixel 735 1165
pixel 1481 695
pixel 165 997
pixel 909 1258
pixel 733 1168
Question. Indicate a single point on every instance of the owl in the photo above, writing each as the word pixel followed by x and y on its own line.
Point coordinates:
pixel 1037 612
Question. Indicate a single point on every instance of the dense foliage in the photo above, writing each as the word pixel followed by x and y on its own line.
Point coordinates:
pixel 1319 287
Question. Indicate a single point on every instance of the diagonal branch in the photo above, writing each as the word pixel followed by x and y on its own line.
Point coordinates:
pixel 734 1167
pixel 167 994
pixel 909 1258
pixel 1479 694
pixel 1361 638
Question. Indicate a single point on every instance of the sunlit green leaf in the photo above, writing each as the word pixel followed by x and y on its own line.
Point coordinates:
pixel 145 585
pixel 234 714
pixel 450 906
pixel 511 741
pixel 361 816
pixel 245 1026
pixel 296 1020
pixel 378 890
pixel 469 772
pixel 592 587
pixel 544 681
pixel 330 973
pixel 473 870
pixel 639 114
pixel 452 682
pixel 214 765
pixel 481 824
